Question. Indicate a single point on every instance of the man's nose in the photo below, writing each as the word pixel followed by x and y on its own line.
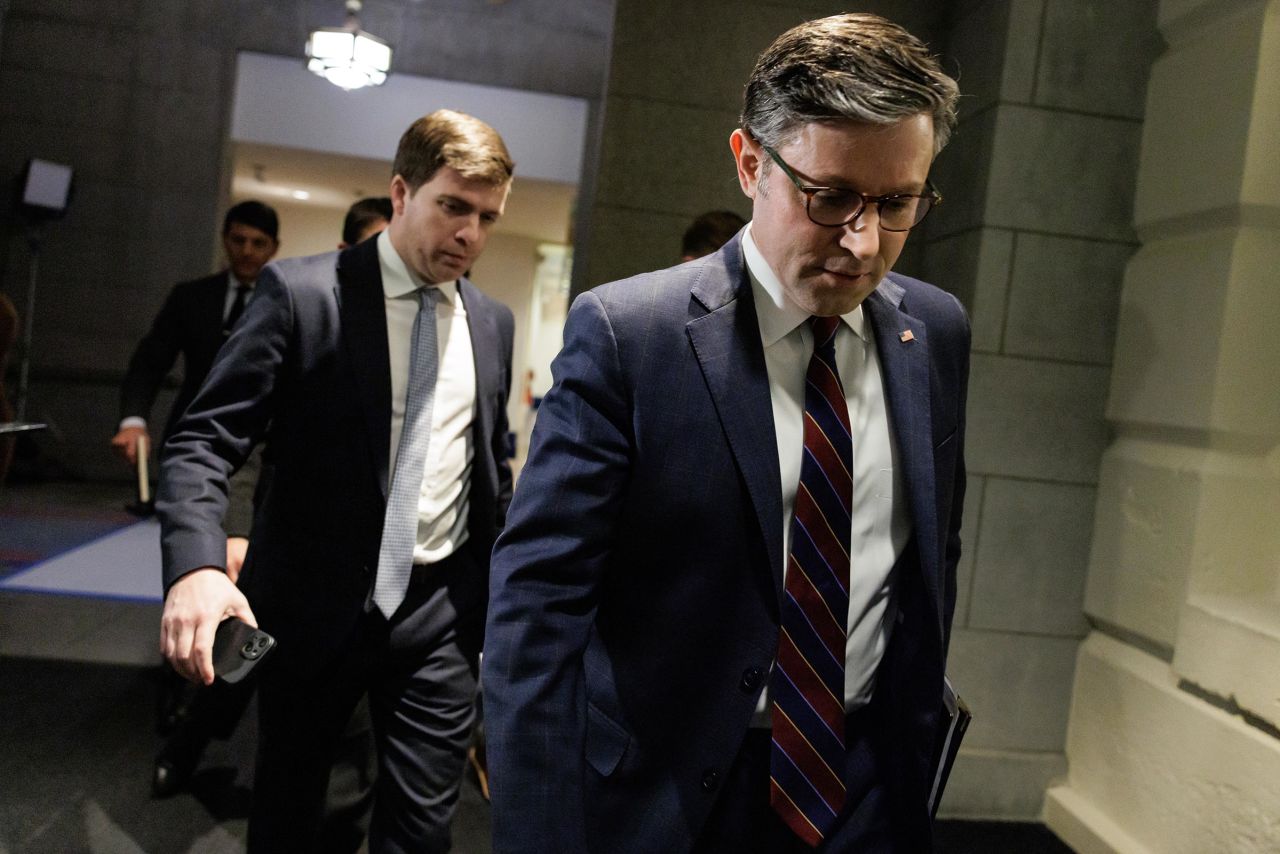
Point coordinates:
pixel 861 238
pixel 469 231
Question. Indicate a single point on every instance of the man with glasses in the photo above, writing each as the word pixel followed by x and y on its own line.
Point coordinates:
pixel 721 606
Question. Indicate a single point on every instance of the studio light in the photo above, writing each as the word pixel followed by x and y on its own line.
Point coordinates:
pixel 347 56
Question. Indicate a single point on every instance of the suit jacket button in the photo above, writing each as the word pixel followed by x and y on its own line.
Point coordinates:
pixel 750 679
pixel 710 779
pixel 364 570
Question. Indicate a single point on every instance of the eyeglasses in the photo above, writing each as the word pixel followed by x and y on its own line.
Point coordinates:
pixel 836 206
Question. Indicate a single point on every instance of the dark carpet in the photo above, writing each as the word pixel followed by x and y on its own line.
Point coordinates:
pixel 76 746
pixel 31 534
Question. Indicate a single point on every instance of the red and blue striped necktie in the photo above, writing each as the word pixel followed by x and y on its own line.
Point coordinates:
pixel 807 686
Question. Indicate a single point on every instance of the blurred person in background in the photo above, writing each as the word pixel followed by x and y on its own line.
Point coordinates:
pixel 195 319
pixel 708 232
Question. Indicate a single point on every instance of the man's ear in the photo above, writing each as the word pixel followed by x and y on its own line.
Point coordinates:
pixel 399 193
pixel 747 157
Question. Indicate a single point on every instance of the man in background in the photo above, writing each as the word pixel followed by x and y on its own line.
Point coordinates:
pixel 708 232
pixel 364 219
pixel 195 319
pixel 377 377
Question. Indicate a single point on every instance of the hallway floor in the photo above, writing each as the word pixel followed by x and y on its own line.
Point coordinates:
pixel 77 702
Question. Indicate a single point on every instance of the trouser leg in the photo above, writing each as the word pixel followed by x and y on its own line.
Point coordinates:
pixel 214 713
pixel 349 804
pixel 423 707
pixel 299 722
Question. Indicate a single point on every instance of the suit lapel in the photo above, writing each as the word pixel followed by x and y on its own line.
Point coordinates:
pixel 212 304
pixel 726 343
pixel 902 344
pixel 483 330
pixel 482 326
pixel 363 314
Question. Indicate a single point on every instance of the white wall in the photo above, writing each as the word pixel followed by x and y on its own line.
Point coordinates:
pixel 506 272
pixel 307 229
pixel 279 102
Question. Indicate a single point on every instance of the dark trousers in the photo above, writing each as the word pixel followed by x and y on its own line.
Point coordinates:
pixel 743 822
pixel 215 712
pixel 419 671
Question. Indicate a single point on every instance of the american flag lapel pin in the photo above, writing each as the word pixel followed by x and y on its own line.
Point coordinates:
pixel 905 335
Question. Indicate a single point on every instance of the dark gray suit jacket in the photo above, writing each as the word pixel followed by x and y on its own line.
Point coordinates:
pixel 189 324
pixel 635 590
pixel 307 372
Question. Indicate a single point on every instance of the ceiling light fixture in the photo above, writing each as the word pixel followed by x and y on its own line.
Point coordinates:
pixel 347 56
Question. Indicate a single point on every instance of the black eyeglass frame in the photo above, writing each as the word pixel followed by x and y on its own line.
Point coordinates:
pixel 932 196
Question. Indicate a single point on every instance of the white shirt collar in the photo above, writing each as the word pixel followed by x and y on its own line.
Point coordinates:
pixel 777 313
pixel 398 280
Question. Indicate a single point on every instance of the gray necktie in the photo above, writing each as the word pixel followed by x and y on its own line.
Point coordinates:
pixel 400 525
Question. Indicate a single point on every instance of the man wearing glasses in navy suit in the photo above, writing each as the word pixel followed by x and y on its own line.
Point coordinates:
pixel 721 606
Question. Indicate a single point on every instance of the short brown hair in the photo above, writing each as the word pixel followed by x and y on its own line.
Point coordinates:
pixel 453 139
pixel 858 67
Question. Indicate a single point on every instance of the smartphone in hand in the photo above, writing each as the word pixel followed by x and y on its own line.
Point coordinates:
pixel 237 649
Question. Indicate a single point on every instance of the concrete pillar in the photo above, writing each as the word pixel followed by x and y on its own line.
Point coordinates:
pixel 1174 741
pixel 1033 236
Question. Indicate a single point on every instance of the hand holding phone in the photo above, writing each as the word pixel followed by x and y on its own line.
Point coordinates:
pixel 237 649
pixel 193 608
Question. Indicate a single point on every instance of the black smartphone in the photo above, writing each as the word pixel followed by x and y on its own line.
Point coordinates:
pixel 237 649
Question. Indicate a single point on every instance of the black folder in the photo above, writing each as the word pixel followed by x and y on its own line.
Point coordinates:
pixel 951 726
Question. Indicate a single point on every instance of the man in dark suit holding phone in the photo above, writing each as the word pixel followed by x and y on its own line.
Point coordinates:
pixel 216 710
pixel 378 379
pixel 721 606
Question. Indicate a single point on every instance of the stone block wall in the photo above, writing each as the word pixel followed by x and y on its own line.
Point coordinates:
pixel 1174 741
pixel 1033 236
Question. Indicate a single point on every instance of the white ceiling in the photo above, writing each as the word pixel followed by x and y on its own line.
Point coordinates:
pixel 538 209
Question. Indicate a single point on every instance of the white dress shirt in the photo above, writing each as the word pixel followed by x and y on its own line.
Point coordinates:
pixel 881 526
pixel 446 482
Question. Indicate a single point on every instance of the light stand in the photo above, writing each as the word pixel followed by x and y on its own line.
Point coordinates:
pixel 44 190
pixel 35 234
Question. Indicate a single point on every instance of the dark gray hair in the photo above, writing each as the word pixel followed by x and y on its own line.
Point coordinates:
pixel 853 66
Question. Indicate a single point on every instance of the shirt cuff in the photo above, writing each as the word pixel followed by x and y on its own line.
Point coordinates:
pixel 133 421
